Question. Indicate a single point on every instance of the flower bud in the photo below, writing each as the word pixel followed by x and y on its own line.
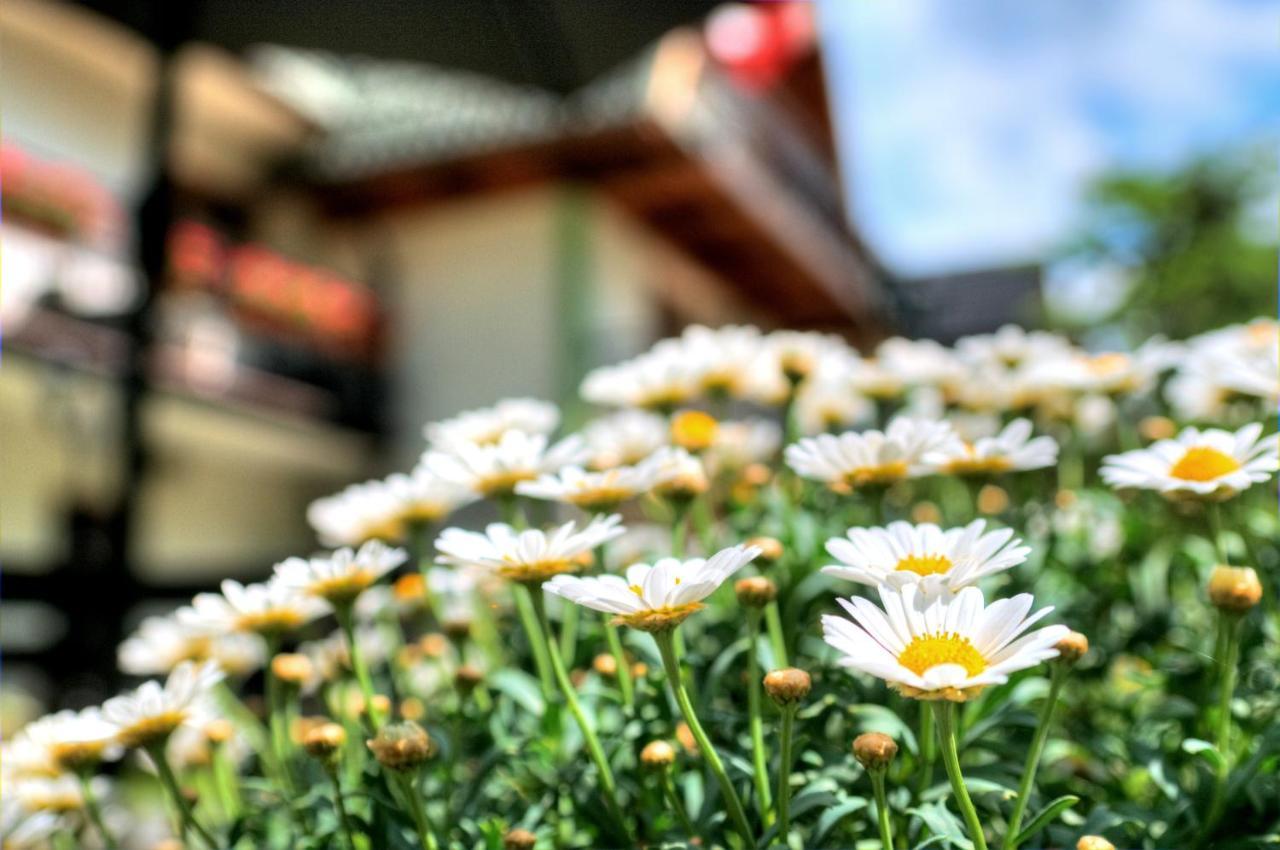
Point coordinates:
pixel 756 475
pixel 410 589
pixel 466 677
pixel 685 736
pixel 300 727
pixel 874 750
pixel 292 668
pixel 519 839
pixel 1154 428
pixel 325 741
pixel 381 704
pixel 788 685
pixel 992 500
pixel 457 628
pixel 219 731
pixel 657 755
pixel 402 746
pixel 755 592
pixel 412 708
pixel 770 549
pixel 1234 589
pixel 1072 647
pixel 693 430
pixel 433 645
pixel 605 664
pixel 1094 842
pixel 923 512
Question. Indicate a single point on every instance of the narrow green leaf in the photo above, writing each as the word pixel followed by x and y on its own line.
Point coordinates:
pixel 1046 816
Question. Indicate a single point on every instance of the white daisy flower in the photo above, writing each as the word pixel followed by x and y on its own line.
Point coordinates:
pixel 902 554
pixel 658 597
pixel 189 747
pixel 935 646
pixel 1013 449
pixel 797 355
pixel 1011 346
pixel 268 609
pixel 720 361
pixel 21 757
pixel 487 426
pixel 659 379
pixel 530 555
pixel 149 714
pixel 919 362
pixel 339 578
pixel 856 459
pixel 827 404
pixel 592 491
pixel 679 475
pixel 54 795
pixel 1209 464
pixel 869 377
pixel 386 509
pixel 495 470
pixel 21 829
pixel 162 643
pixel 74 739
pixel 624 438
pixel 737 444
pixel 453 591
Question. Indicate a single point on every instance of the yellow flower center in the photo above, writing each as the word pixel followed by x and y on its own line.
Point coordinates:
pixel 693 430
pixel 536 571
pixel 979 465
pixel 151 729
pixel 926 651
pixel 343 588
pixel 925 565
pixel 271 621
pixel 600 498
pixel 71 755
pixel 884 473
pixel 503 483
pixel 1203 463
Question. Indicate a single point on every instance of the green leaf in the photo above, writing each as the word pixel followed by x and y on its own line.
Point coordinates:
pixel 521 687
pixel 1045 816
pixel 1206 751
pixel 831 818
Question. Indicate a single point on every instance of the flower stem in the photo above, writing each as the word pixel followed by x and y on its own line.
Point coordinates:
pixel 95 811
pixel 1057 676
pixel 417 812
pixel 340 805
pixel 1214 513
pixel 757 721
pixel 346 622
pixel 882 809
pixel 666 646
pixel 928 749
pixel 1229 624
pixel 607 784
pixel 944 713
pixel 186 817
pixel 278 720
pixel 777 643
pixel 784 772
pixel 625 684
pixel 537 641
pixel 669 789
pixel 224 776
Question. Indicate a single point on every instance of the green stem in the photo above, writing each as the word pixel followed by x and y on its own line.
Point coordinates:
pixel 944 713
pixel 757 721
pixel 928 749
pixel 607 784
pixel 1214 513
pixel 1057 676
pixel 625 684
pixel 1230 660
pixel 340 805
pixel 569 632
pixel 669 789
pixel 882 808
pixel 94 810
pixel 224 777
pixel 784 772
pixel 537 641
pixel 666 646
pixel 679 530
pixel 346 621
pixel 417 812
pixel 186 817
pixel 278 720
pixel 777 642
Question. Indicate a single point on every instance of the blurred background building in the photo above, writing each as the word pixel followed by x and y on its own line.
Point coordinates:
pixel 248 252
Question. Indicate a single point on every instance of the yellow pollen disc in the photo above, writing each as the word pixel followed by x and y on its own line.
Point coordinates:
pixel 1203 463
pixel 884 473
pixel 343 588
pixel 693 430
pixel 503 483
pixel 537 571
pixel 978 466
pixel 928 651
pixel 925 565
pixel 600 497
pixel 151 729
pixel 635 588
pixel 1107 364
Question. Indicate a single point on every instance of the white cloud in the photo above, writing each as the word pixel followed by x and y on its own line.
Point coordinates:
pixel 969 131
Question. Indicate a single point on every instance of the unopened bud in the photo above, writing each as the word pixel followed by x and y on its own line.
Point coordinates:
pixel 1234 589
pixel 755 591
pixel 923 512
pixel 874 750
pixel 657 755
pixel 410 589
pixel 1072 647
pixel 756 475
pixel 325 741
pixel 466 677
pixel 788 685
pixel 605 664
pixel 770 548
pixel 992 499
pixel 685 736
pixel 219 731
pixel 1094 842
pixel 433 645
pixel 457 628
pixel 292 667
pixel 1154 428
pixel 402 746
pixel 412 708
pixel 301 727
pixel 519 839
